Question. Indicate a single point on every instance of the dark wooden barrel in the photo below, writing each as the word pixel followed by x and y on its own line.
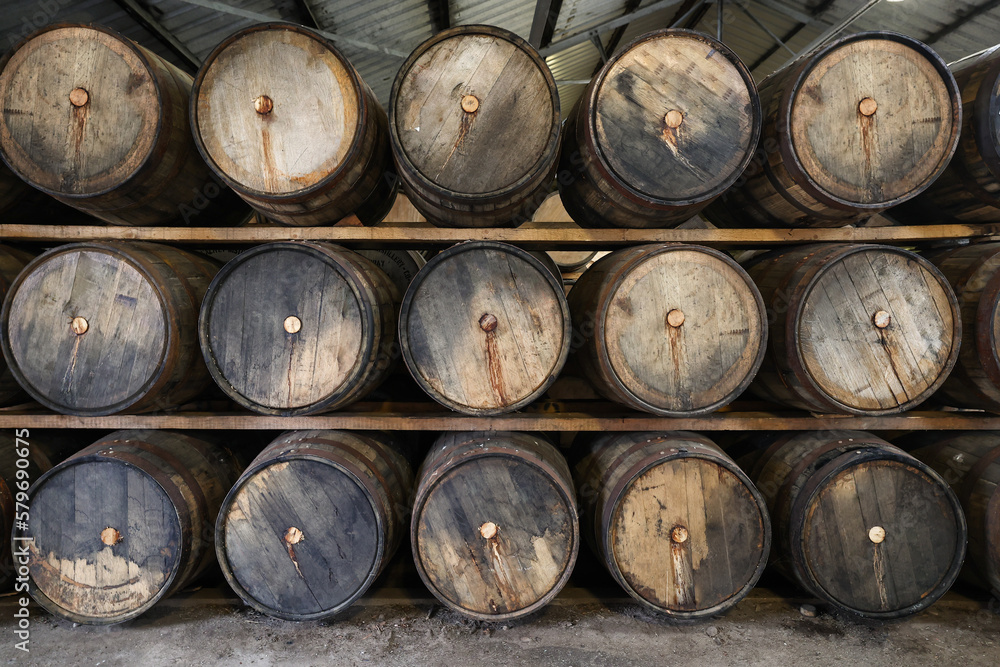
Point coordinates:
pixel 104 327
pixel 670 329
pixel 860 523
pixel 860 125
pixel 400 265
pixel 970 462
pixel 125 523
pixel 294 328
pixel 474 123
pixel 675 520
pixel 494 528
pixel 863 329
pixel 12 262
pixel 485 327
pixel 665 127
pixel 283 117
pixel 313 521
pixel 12 188
pixel 101 124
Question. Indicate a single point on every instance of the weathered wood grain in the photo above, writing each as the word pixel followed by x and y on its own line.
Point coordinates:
pixel 283 117
pixel 474 123
pixel 670 329
pixel 99 328
pixel 400 265
pixel 855 328
pixel 494 528
pixel 665 127
pixel 858 126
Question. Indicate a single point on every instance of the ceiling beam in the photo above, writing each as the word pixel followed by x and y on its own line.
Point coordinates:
pixel 306 12
pixel 544 22
pixel 801 17
pixel 616 35
pixel 961 19
pixel 582 36
pixel 834 30
pixel 144 18
pixel 793 31
pixel 440 14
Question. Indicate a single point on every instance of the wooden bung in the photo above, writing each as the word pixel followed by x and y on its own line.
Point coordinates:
pixel 675 521
pixel 671 329
pixel 101 124
pixel 474 123
pixel 108 327
pixel 858 522
pixel 494 528
pixel 336 500
pixel 862 124
pixel 12 262
pixel 485 328
pixel 300 327
pixel 854 328
pixel 665 127
pixel 296 133
pixel 125 523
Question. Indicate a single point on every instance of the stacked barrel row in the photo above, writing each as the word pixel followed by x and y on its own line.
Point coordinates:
pixel 671 124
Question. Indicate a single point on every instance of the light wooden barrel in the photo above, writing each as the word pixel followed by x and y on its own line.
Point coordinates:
pixel 665 127
pixel 474 123
pixel 862 329
pixel 553 211
pixel 485 327
pixel 669 329
pixel 494 528
pixel 294 328
pixel 860 523
pixel 400 265
pixel 125 523
pixel 12 262
pixel 101 124
pixel 313 521
pixel 105 327
pixel 283 117
pixel 676 522
pixel 970 462
pixel 12 188
pixel 860 125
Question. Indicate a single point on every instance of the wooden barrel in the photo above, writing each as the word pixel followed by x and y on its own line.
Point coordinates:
pixel 485 328
pixel 400 265
pixel 851 129
pixel 571 260
pixel 283 117
pixel 101 124
pixel 313 521
pixel 12 262
pixel 474 124
pixel 674 520
pixel 863 329
pixel 104 327
pixel 12 188
pixel 125 523
pixel 494 528
pixel 299 327
pixel 970 462
pixel 860 523
pixel 665 127
pixel 668 328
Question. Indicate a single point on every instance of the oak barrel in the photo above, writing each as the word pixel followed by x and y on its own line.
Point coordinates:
pixel 665 127
pixel 294 328
pixel 313 521
pixel 474 124
pixel 285 119
pixel 860 523
pixel 400 265
pixel 851 129
pixel 12 262
pixel 125 523
pixel 101 124
pixel 676 522
pixel 553 211
pixel 485 327
pixel 669 329
pixel 494 528
pixel 104 327
pixel 856 328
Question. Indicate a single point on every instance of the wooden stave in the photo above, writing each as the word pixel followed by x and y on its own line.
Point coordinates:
pixel 160 190
pixel 608 464
pixel 589 301
pixel 374 292
pixel 775 190
pixel 451 450
pixel 507 207
pixel 185 376
pixel 364 184
pixel 194 473
pixel 386 477
pixel 785 278
pixel 584 174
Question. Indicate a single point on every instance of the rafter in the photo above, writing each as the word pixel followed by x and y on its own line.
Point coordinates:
pixel 149 22
pixel 582 36
pixel 965 17
pixel 440 14
pixel 544 22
